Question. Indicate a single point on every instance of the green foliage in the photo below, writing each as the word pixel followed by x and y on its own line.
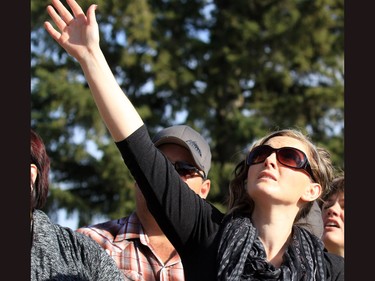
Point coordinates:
pixel 233 70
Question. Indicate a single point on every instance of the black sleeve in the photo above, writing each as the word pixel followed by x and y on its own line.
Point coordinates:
pixel 186 218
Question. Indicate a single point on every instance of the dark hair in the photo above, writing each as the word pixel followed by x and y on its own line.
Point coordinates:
pixel 337 186
pixel 321 165
pixel 41 160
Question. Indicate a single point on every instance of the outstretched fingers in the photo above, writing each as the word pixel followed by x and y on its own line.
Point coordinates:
pixel 63 12
pixel 60 23
pixel 52 31
pixel 76 9
pixel 63 17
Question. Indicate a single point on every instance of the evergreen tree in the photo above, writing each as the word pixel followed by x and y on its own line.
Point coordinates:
pixel 233 70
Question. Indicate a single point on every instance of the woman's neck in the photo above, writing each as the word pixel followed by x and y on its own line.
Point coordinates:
pixel 274 232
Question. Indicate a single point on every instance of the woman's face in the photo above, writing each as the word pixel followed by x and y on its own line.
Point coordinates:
pixel 333 220
pixel 272 182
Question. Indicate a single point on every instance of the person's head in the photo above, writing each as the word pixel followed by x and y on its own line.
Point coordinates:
pixel 333 217
pixel 286 167
pixel 39 171
pixel 189 152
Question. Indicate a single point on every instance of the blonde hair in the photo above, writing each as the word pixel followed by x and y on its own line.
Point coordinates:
pixel 239 200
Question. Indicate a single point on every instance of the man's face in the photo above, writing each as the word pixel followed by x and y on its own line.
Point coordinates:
pixel 176 153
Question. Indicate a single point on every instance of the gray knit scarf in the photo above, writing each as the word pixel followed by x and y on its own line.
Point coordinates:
pixel 242 256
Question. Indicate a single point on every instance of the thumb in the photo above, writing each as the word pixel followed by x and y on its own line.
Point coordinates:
pixel 91 19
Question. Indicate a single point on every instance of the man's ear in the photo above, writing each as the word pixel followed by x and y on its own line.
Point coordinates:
pixel 312 192
pixel 33 174
pixel 205 188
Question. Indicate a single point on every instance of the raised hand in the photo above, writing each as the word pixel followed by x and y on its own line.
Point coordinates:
pixel 79 33
pixel 79 36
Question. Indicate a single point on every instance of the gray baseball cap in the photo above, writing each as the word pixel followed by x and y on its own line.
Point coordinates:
pixel 189 138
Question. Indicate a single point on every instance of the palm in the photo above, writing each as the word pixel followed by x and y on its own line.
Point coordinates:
pixel 78 34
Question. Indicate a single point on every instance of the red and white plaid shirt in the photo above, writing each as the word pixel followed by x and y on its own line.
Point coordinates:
pixel 125 241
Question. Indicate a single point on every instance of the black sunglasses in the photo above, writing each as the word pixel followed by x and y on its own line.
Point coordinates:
pixel 288 156
pixel 186 170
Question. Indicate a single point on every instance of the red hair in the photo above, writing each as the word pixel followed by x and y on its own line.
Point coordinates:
pixel 41 160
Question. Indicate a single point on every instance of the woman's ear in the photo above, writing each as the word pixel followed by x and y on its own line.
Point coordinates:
pixel 312 192
pixel 33 175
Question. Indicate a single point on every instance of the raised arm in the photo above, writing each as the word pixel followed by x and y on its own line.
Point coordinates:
pixel 189 221
pixel 79 35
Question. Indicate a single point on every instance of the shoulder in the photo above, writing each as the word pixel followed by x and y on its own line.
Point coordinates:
pixel 333 259
pixel 47 232
pixel 41 218
pixel 95 260
pixel 57 238
pixel 335 266
pixel 109 229
pixel 70 251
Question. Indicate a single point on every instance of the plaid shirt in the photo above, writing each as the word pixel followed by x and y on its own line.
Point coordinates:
pixel 125 241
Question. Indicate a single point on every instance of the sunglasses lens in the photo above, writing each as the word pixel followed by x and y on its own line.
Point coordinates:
pixel 291 157
pixel 259 154
pixel 183 172
pixel 184 169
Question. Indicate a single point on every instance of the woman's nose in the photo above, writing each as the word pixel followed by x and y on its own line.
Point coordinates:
pixel 271 160
pixel 334 210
